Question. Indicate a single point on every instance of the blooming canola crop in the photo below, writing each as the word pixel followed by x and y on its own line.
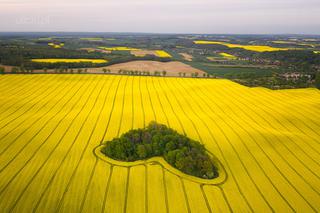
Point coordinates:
pixel 65 60
pixel 267 142
pixel 256 48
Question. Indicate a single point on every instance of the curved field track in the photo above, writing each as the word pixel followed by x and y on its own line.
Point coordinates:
pixel 268 142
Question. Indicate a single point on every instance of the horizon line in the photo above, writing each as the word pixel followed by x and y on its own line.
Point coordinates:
pixel 166 33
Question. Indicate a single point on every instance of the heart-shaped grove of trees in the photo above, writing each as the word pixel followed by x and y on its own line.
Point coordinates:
pixel 157 140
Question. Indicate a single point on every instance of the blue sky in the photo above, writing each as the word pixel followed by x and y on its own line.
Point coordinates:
pixel 162 16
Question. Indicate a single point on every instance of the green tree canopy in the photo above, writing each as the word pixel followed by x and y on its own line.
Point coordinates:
pixel 178 150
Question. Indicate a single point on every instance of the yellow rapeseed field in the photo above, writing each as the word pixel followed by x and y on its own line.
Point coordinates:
pixel 55 45
pixel 50 125
pixel 65 60
pixel 256 48
pixel 228 56
pixel 163 54
pixel 119 48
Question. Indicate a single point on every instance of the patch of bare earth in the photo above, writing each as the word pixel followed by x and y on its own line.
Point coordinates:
pixel 141 53
pixel 172 68
pixel 96 50
pixel 186 56
pixel 7 68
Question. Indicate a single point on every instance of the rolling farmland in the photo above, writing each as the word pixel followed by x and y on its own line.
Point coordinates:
pixel 268 142
pixel 65 60
pixel 257 48
pixel 120 48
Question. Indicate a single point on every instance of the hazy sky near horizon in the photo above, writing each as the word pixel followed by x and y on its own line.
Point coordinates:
pixel 162 16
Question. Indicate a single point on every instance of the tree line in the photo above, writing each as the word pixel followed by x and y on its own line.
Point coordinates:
pixel 20 55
